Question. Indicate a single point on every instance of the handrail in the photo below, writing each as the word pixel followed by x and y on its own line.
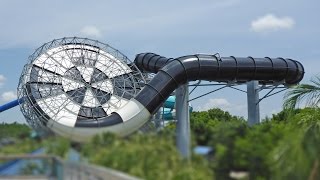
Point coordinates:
pixel 62 169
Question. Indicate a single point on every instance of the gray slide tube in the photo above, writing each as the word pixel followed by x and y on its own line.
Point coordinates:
pixel 172 73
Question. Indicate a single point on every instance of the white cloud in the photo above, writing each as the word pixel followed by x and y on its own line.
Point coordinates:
pixel 91 31
pixel 157 16
pixel 224 104
pixel 216 103
pixel 2 79
pixel 271 23
pixel 8 96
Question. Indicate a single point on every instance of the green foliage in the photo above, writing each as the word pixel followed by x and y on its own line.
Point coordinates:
pixel 297 156
pixel 19 137
pixel 223 137
pixel 285 146
pixel 278 148
pixel 57 146
pixel 303 92
pixel 20 147
pixel 251 151
pixel 33 168
pixel 14 130
pixel 147 156
pixel 284 115
pixel 203 124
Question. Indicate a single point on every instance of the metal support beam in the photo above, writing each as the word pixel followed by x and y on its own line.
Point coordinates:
pixel 183 123
pixel 11 104
pixel 253 102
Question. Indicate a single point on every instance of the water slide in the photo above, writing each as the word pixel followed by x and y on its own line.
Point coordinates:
pixel 168 109
pixel 170 74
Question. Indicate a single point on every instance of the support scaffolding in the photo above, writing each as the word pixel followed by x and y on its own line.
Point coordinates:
pixel 182 104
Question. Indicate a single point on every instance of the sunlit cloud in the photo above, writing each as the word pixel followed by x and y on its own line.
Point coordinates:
pixel 91 31
pixel 271 23
pixel 224 104
pixel 8 96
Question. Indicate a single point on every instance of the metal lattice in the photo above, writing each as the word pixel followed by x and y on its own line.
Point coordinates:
pixel 74 79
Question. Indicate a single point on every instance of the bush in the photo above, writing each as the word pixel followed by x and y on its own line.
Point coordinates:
pixel 147 156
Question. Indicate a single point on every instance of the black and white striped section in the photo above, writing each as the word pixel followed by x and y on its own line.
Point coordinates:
pixel 122 122
pixel 75 84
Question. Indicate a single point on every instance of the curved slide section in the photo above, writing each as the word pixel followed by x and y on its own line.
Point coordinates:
pixel 168 111
pixel 170 102
pixel 211 68
pixel 176 72
pixel 167 114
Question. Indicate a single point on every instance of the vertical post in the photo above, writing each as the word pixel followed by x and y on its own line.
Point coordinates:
pixel 253 102
pixel 157 118
pixel 183 120
pixel 59 169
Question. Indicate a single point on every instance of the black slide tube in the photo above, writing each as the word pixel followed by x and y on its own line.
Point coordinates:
pixel 172 73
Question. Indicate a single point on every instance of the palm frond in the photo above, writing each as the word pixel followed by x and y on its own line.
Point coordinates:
pixel 310 93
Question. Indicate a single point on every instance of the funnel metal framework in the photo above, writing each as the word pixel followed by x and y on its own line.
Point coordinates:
pixel 71 81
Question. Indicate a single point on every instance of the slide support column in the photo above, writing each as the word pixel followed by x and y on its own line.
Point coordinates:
pixel 183 121
pixel 253 102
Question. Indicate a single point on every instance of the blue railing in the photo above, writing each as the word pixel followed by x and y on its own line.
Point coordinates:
pixel 11 104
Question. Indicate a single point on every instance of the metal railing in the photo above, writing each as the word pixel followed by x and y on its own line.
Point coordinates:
pixel 53 167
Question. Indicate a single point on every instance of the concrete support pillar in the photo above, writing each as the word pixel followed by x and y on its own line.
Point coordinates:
pixel 183 120
pixel 253 102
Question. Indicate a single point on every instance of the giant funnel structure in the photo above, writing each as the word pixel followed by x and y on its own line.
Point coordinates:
pixel 79 88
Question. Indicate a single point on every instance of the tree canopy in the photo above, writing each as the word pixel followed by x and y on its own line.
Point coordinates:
pixel 285 146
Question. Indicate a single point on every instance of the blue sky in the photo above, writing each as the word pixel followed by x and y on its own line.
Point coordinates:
pixel 285 28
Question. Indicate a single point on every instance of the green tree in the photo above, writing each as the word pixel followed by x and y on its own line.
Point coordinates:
pixel 150 156
pixel 297 156
pixel 202 123
pixel 14 130
pixel 57 146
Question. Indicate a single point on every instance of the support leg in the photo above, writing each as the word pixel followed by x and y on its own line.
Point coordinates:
pixel 183 123
pixel 253 105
